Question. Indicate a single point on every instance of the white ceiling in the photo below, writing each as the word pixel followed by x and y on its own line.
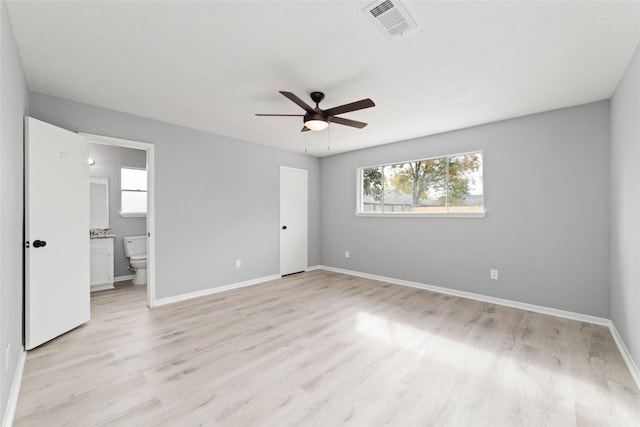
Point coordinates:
pixel 212 65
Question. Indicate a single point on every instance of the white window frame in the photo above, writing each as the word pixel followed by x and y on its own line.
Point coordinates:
pixel 133 214
pixel 360 213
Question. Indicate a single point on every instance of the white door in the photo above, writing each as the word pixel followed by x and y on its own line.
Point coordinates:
pixel 57 229
pixel 293 220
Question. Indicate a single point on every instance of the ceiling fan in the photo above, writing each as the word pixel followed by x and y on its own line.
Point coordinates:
pixel 318 119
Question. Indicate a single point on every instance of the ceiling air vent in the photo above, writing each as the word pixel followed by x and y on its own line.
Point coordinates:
pixel 391 17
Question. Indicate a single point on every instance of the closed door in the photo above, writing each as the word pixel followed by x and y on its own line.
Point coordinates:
pixel 56 231
pixel 293 220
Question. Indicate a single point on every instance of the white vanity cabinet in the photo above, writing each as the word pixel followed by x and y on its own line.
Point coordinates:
pixel 101 264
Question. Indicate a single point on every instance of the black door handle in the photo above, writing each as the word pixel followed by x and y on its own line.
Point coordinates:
pixel 39 243
pixel 284 227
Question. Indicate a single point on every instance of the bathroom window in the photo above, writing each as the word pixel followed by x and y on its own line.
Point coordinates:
pixel 133 183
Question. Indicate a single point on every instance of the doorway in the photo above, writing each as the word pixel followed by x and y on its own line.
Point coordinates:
pixel 293 220
pixel 145 164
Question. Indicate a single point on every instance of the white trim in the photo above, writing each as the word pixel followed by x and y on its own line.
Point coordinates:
pixel 479 297
pixel 439 156
pixel 217 289
pixel 117 142
pixel 633 368
pixel 133 214
pixel 292 169
pixel 125 278
pixel 151 193
pixel 422 215
pixel 151 227
pixel 12 402
pixel 102 287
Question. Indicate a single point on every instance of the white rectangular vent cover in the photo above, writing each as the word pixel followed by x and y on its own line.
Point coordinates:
pixel 391 17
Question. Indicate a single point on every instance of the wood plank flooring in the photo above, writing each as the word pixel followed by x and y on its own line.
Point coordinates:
pixel 325 349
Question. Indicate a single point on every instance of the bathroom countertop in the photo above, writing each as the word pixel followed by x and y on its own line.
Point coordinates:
pixel 101 233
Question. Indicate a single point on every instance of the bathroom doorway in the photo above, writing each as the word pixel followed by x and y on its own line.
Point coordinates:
pixel 128 168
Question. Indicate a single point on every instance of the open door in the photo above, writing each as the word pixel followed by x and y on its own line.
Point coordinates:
pixel 56 231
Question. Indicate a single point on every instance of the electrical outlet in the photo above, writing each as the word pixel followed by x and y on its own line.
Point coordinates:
pixel 6 358
pixel 238 263
pixel 493 274
pixel 346 254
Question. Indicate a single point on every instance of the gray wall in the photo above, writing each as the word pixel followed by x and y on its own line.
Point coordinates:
pixel 625 205
pixel 109 160
pixel 546 180
pixel 13 107
pixel 216 197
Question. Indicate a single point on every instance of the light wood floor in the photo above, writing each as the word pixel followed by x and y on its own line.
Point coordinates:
pixel 325 349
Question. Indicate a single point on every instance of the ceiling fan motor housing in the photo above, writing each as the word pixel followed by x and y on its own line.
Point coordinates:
pixel 316 116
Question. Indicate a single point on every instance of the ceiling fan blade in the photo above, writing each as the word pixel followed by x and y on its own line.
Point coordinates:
pixel 353 106
pixel 280 115
pixel 298 101
pixel 347 122
pixel 305 129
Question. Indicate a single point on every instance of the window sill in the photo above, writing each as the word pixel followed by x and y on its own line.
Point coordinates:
pixel 133 214
pixel 422 215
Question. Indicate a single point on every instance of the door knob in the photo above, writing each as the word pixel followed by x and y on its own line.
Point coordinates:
pixel 39 243
pixel 284 227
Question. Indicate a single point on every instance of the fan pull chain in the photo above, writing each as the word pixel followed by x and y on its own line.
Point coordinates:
pixel 329 138
pixel 305 142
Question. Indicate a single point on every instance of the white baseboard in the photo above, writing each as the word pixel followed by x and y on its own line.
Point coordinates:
pixel 182 297
pixel 479 297
pixel 123 278
pixel 101 287
pixel 633 368
pixel 12 403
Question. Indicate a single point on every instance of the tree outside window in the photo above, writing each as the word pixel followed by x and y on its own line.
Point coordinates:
pixel 440 185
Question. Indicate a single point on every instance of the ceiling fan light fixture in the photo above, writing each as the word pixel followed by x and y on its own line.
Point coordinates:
pixel 316 125
pixel 315 122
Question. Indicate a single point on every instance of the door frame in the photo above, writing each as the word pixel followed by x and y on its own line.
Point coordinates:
pixel 151 218
pixel 306 219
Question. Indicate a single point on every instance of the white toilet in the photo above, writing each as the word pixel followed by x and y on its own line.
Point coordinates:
pixel 135 248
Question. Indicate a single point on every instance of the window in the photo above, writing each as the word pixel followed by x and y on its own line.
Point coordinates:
pixel 133 183
pixel 449 186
